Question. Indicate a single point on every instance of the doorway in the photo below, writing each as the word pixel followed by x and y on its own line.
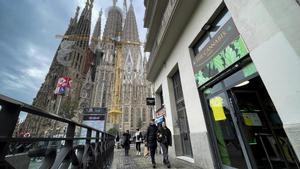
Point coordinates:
pixel 246 129
pixel 261 126
pixel 186 147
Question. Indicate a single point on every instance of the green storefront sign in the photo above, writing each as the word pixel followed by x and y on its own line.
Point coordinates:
pixel 223 50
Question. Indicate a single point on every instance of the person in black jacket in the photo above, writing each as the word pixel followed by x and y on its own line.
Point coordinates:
pixel 126 142
pixel 151 139
pixel 164 137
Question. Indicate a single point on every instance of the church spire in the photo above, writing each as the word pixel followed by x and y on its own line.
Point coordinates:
pixel 97 33
pixel 113 25
pixel 125 6
pixel 115 2
pixel 73 22
pixel 130 31
pixel 84 24
pixel 77 13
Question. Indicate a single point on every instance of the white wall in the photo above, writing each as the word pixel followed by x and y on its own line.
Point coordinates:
pixel 271 30
pixel 180 57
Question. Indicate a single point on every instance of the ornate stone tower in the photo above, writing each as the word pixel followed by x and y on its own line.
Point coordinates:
pixel 134 86
pixel 105 70
pixel 91 67
pixel 91 79
pixel 75 67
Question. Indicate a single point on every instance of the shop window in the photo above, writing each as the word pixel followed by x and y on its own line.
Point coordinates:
pixel 210 30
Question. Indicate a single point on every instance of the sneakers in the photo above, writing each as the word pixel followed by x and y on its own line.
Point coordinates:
pixel 169 165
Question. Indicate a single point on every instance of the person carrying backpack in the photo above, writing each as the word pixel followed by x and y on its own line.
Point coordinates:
pixel 138 141
pixel 164 137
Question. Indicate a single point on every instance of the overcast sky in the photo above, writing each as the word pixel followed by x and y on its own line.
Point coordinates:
pixel 28 43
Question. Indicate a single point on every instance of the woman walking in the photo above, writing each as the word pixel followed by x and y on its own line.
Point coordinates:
pixel 165 140
pixel 138 141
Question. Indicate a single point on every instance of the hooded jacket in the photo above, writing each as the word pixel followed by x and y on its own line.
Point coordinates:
pixel 151 135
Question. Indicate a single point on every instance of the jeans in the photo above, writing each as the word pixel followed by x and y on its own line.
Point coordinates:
pixel 138 146
pixel 152 153
pixel 126 151
pixel 165 153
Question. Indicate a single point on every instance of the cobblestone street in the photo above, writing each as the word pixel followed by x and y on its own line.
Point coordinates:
pixel 140 162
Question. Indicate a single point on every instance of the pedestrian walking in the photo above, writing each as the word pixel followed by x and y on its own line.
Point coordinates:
pixel 118 141
pixel 138 141
pixel 164 137
pixel 126 142
pixel 151 139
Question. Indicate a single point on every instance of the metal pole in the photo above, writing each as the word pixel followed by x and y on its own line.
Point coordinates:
pixel 57 110
pixel 59 102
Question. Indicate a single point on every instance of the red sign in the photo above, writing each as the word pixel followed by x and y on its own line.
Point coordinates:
pixel 160 112
pixel 62 85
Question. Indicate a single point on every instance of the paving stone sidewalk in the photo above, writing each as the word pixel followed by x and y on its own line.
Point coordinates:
pixel 140 162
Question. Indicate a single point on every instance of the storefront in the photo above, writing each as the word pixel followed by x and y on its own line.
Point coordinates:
pixel 244 127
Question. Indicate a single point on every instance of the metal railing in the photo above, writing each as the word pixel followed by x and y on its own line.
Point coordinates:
pixel 96 152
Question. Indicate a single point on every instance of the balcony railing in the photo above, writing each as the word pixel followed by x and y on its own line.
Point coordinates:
pixel 94 150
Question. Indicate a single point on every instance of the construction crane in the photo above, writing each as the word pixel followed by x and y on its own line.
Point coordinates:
pixel 115 113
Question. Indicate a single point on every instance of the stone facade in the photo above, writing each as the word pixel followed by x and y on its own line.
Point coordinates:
pixel 91 67
pixel 75 67
pixel 134 86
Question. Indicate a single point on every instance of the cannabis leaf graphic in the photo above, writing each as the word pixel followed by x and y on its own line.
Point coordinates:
pixel 240 47
pixel 200 78
pixel 230 56
pixel 218 62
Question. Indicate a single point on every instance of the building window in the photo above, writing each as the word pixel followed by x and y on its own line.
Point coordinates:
pixel 210 30
pixel 159 98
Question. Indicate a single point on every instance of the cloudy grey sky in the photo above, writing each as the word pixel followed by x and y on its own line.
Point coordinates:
pixel 28 44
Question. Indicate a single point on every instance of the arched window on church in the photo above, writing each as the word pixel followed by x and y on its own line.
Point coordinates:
pixel 131 117
pixel 126 115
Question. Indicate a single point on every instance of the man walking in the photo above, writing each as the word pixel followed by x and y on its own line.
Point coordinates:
pixel 165 139
pixel 138 141
pixel 126 142
pixel 151 140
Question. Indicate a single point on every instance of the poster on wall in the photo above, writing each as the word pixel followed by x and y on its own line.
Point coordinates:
pixel 160 115
pixel 216 105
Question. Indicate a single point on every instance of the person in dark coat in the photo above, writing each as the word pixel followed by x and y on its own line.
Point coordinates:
pixel 151 139
pixel 126 142
pixel 164 137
